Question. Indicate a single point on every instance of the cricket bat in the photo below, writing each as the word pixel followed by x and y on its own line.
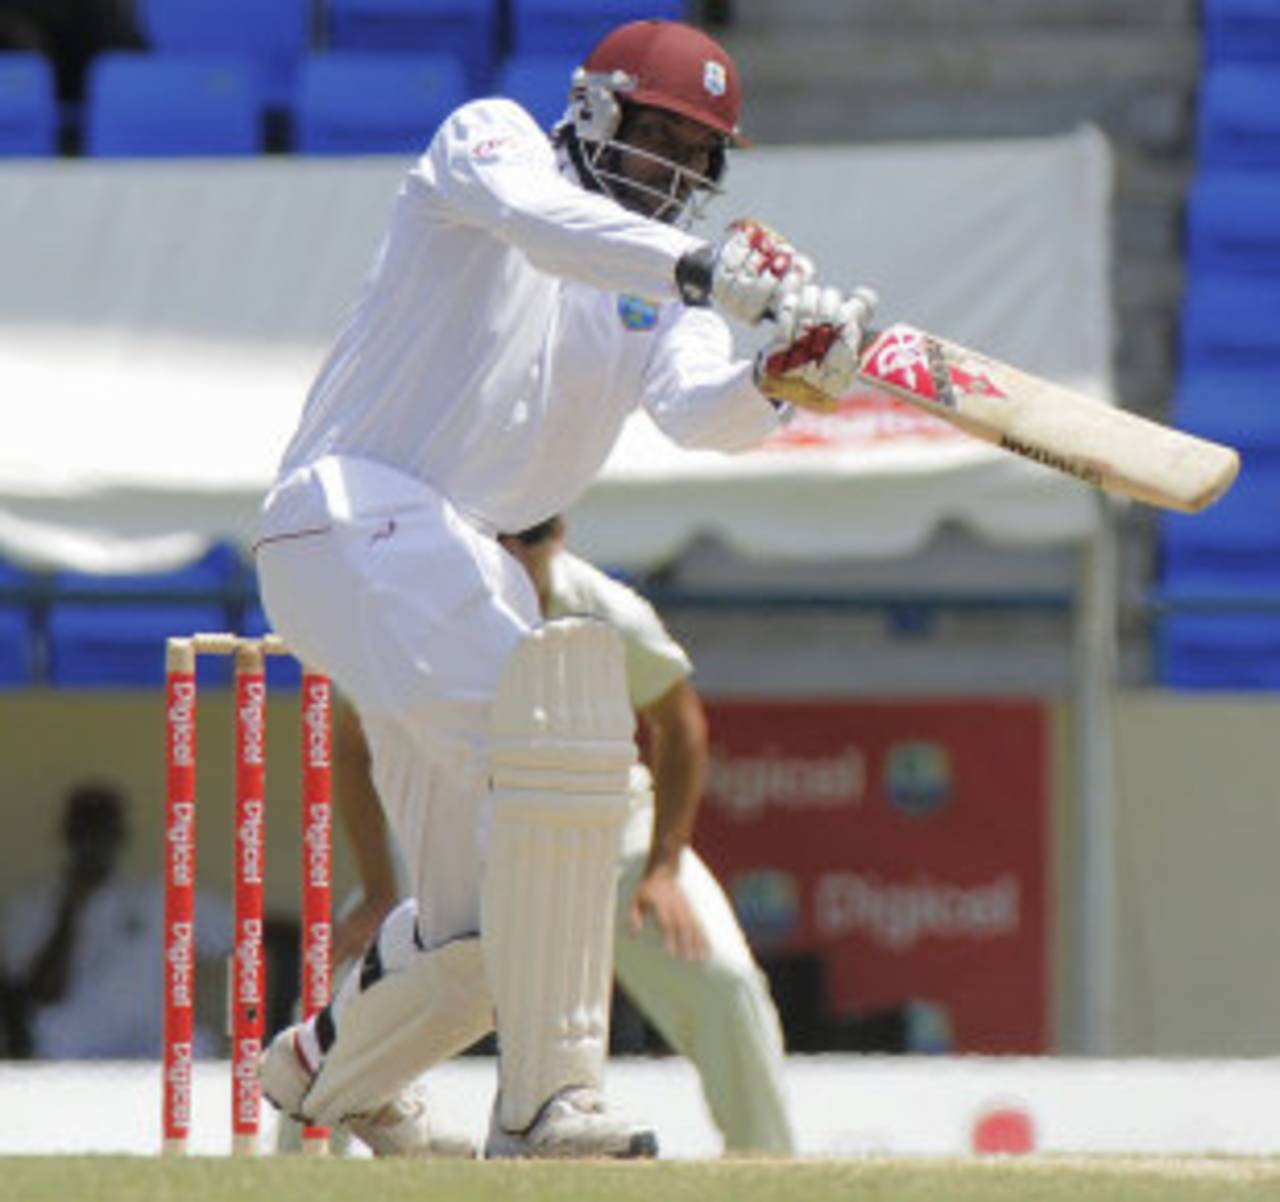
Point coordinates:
pixel 1045 422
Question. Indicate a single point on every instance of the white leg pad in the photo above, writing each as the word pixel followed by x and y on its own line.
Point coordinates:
pixel 562 750
pixel 396 1016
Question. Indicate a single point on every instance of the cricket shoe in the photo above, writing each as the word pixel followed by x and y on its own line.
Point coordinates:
pixel 400 1127
pixel 572 1124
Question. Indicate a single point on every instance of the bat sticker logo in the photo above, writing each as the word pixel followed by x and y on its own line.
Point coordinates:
pixel 1082 469
pixel 912 362
pixel 973 381
pixel 900 357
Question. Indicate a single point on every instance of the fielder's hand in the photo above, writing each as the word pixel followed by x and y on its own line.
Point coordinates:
pixel 354 933
pixel 660 894
pixel 745 275
pixel 813 361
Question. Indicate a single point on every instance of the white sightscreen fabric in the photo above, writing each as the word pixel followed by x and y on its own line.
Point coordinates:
pixel 161 320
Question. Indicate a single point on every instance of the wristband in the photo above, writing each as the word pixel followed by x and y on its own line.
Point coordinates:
pixel 694 273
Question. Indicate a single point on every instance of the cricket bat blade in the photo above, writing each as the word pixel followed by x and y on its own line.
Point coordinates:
pixel 1048 423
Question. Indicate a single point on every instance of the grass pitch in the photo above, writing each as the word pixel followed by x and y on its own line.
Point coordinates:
pixel 291 1179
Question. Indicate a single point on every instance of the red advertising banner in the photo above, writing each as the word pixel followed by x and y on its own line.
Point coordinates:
pixel 903 846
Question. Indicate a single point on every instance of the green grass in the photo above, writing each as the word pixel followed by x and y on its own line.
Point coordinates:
pixel 290 1179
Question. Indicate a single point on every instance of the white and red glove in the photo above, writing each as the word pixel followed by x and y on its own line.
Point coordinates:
pixel 813 361
pixel 745 274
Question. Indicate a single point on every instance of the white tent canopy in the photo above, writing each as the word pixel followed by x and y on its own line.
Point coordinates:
pixel 160 322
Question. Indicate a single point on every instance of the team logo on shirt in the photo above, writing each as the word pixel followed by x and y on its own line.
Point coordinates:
pixel 713 77
pixel 637 313
pixel 490 149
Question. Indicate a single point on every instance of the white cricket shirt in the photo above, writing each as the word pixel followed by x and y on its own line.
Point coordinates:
pixel 511 322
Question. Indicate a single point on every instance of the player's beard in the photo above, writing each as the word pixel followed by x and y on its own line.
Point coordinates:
pixel 664 200
pixel 665 207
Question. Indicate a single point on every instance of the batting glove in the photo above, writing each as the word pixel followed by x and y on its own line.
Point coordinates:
pixel 745 274
pixel 813 361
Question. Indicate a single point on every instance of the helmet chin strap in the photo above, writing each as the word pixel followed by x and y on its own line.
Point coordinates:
pixel 566 139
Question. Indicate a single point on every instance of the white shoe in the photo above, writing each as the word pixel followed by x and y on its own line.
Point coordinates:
pixel 400 1127
pixel 574 1123
pixel 285 1074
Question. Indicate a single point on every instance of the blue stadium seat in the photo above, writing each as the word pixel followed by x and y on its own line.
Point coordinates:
pixel 1233 547
pixel 17 646
pixel 1241 30
pixel 150 105
pixel 17 633
pixel 1238 122
pixel 1229 322
pixel 1220 584
pixel 110 630
pixel 1241 407
pixel 220 569
pixel 1235 652
pixel 574 26
pixel 274 34
pixel 114 644
pixel 28 105
pixel 1233 223
pixel 540 82
pixel 466 29
pixel 365 103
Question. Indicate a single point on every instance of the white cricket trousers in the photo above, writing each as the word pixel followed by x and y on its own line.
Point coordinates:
pixel 718 1012
pixel 374 579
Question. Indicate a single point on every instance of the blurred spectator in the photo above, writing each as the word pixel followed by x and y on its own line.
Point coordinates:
pixel 69 33
pixel 19 31
pixel 717 13
pixel 15 1030
pixel 83 957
